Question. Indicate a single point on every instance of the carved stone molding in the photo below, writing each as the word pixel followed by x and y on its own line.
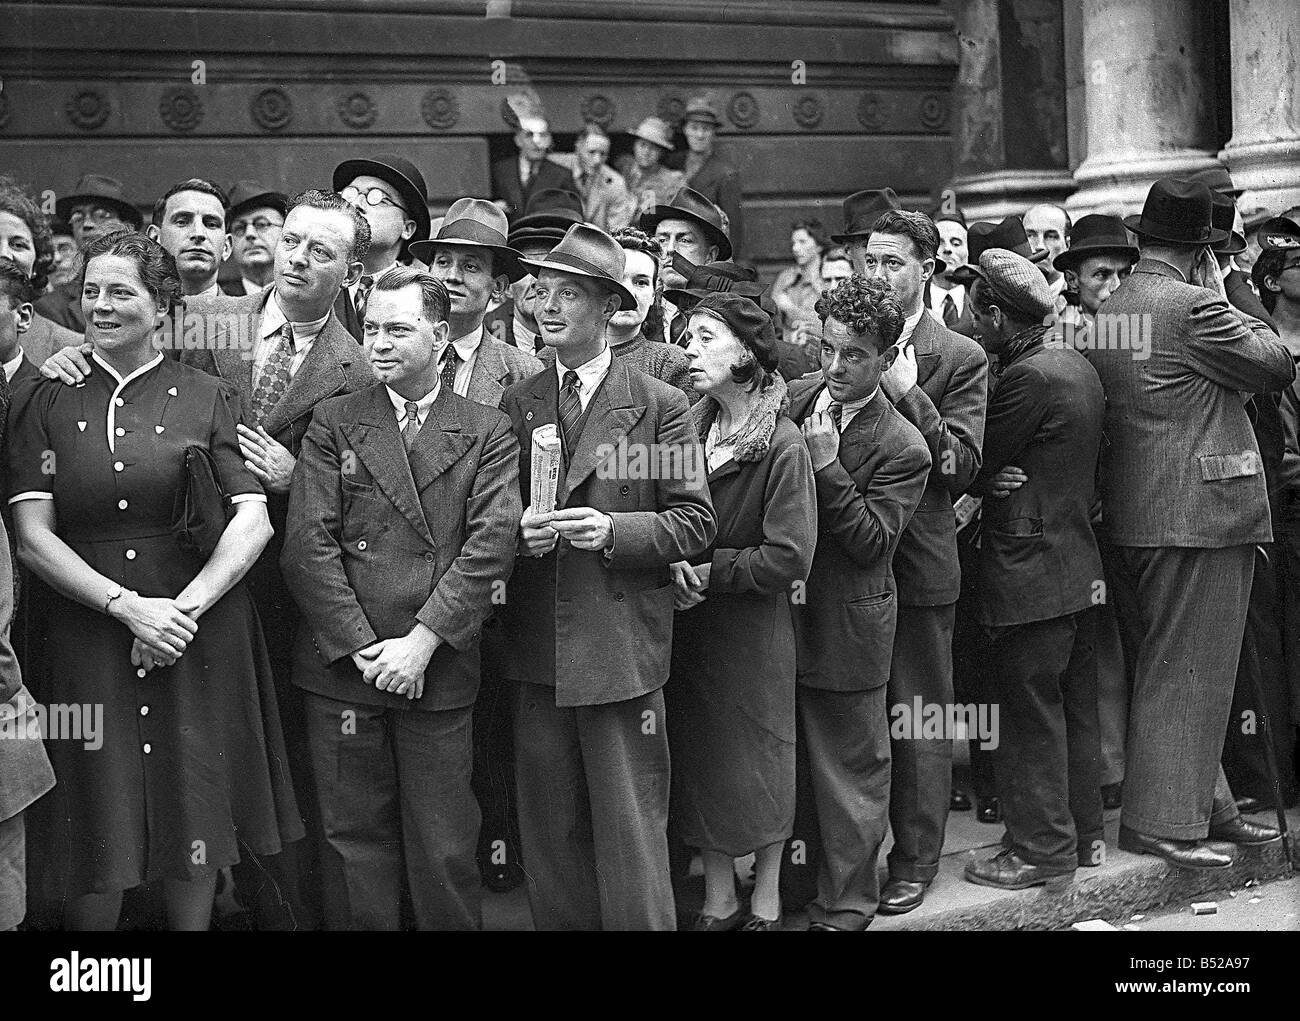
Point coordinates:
pixel 181 109
pixel 742 110
pixel 271 109
pixel 357 110
pixel 440 109
pixel 88 109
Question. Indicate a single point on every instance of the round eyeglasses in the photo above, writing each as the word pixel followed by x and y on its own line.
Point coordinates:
pixel 371 197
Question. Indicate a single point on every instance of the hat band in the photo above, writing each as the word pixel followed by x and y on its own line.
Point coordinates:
pixel 469 232
pixel 578 263
pixel 1157 229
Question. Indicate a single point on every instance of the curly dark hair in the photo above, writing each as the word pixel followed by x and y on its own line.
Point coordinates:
pixel 865 307
pixel 15 201
pixel 634 240
pixel 153 263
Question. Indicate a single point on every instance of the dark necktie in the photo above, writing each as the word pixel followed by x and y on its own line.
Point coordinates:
pixel 450 359
pixel 274 378
pixel 570 409
pixel 950 313
pixel 412 427
pixel 836 410
pixel 363 297
pixel 533 167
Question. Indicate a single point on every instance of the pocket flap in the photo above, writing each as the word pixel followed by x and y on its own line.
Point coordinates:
pixel 1217 467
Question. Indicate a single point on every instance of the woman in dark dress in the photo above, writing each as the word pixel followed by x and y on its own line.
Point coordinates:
pixel 731 696
pixel 189 763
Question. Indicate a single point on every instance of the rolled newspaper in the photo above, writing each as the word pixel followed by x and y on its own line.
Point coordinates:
pixel 546 468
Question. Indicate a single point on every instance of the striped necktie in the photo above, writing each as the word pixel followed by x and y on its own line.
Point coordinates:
pixel 363 297
pixel 450 360
pixel 412 428
pixel 274 377
pixel 836 410
pixel 570 408
pixel 950 313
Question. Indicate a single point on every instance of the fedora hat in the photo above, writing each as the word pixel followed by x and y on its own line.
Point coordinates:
pixel 700 109
pixel 104 191
pixel 1278 234
pixel 689 204
pixel 402 175
pixel 711 278
pixel 1177 211
pixel 980 237
pixel 475 223
pixel 1224 216
pixel 861 211
pixel 249 195
pixel 587 251
pixel 1216 178
pixel 1096 234
pixel 656 132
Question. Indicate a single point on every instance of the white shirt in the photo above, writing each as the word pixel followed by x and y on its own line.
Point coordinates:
pixel 671 312
pixel 273 320
pixel 938 292
pixel 467 348
pixel 848 410
pixel 422 406
pixel 1057 288
pixel 13 365
pixel 909 327
pixel 717 455
pixel 590 374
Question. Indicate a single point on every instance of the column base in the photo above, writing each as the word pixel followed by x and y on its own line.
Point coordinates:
pixel 999 193
pixel 1269 173
pixel 1118 187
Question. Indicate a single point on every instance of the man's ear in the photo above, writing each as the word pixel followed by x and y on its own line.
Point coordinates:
pixel 499 284
pixel 227 246
pixel 23 315
pixel 355 270
pixel 1071 279
pixel 155 234
pixel 408 229
pixel 887 359
pixel 612 305
pixel 441 333
pixel 927 269
pixel 1271 283
pixel 713 254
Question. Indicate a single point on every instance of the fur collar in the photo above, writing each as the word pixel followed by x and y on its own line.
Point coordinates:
pixel 755 436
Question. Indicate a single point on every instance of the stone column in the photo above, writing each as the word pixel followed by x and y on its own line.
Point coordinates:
pixel 1009 143
pixel 1149 73
pixel 1264 151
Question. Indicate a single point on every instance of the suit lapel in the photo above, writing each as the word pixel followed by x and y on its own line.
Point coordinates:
pixel 858 439
pixel 612 417
pixel 234 361
pixel 485 381
pixel 378 445
pixel 923 338
pixel 323 374
pixel 439 444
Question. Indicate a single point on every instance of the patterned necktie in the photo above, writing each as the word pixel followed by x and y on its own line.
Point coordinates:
pixel 836 410
pixel 570 408
pixel 274 378
pixel 412 427
pixel 450 359
pixel 363 297
pixel 950 313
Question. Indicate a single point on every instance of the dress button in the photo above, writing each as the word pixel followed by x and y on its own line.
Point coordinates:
pixel 148 748
pixel 120 431
pixel 121 505
pixel 130 554
pixel 144 710
pixel 118 466
pixel 119 402
pixel 361 545
pixel 141 672
pixel 428 558
pixel 618 597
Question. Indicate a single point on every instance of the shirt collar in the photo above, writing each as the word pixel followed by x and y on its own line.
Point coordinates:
pixel 466 346
pixel 12 366
pixel 423 404
pixel 909 325
pixel 590 373
pixel 273 320
pixel 122 381
pixel 252 288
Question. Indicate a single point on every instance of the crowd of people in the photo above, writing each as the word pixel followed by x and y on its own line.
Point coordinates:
pixel 542 543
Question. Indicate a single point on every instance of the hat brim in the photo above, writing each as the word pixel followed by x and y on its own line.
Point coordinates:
pixel 557 220
pixel 626 301
pixel 653 141
pixel 1134 223
pixel 965 275
pixel 684 299
pixel 650 220
pixel 704 118
pixel 521 237
pixel 267 200
pixel 1071 257
pixel 1235 245
pixel 418 206
pixel 64 206
pixel 512 269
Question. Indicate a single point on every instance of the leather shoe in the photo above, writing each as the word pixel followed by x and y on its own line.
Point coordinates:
pixel 1006 870
pixel 1112 795
pixel 1186 854
pixel 899 896
pixel 988 810
pixel 753 923
pixel 712 923
pixel 958 802
pixel 1248 834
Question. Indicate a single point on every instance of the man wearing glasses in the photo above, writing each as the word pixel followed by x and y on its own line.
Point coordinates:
pixel 256 222
pixel 390 193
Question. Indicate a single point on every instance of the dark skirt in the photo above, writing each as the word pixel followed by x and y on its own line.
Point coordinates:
pixel 731 728
pixel 190 767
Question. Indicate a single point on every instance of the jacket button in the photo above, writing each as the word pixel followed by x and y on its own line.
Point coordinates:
pixel 121 505
pixel 428 558
pixel 625 490
pixel 118 466
pixel 130 554
pixel 618 597
pixel 141 672
pixel 148 748
pixel 144 710
pixel 361 545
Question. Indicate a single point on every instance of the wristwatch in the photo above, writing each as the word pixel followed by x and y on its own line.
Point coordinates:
pixel 113 592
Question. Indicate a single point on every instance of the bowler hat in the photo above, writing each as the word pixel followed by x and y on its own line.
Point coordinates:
pixel 1096 234
pixel 1278 234
pixel 655 131
pixel 476 223
pixel 104 191
pixel 1018 282
pixel 1223 214
pixel 1177 211
pixel 700 109
pixel 980 237
pixel 689 204
pixel 1216 178
pixel 861 211
pixel 751 325
pixel 587 251
pixel 711 278
pixel 246 196
pixel 402 175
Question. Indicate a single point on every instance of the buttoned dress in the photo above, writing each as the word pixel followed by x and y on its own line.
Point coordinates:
pixel 190 766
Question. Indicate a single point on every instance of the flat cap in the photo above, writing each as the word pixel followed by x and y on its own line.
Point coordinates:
pixel 1018 281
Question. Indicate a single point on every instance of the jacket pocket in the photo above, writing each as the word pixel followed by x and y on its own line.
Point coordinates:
pixel 1019 528
pixel 1218 467
pixel 872 602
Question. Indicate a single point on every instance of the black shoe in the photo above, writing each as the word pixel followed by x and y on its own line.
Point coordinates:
pixel 1112 795
pixel 753 923
pixel 1247 834
pixel 1186 854
pixel 899 896
pixel 502 878
pixel 712 923
pixel 988 810
pixel 958 802
pixel 1249 806
pixel 1006 870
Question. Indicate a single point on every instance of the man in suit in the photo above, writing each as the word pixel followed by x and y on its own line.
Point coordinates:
pixel 189 220
pixel 692 232
pixel 606 201
pixel 707 170
pixel 403 519
pixel 944 296
pixel 939 383
pixel 256 219
pixel 1039 571
pixel 1048 228
pixel 1186 508
pixel 389 192
pixel 516 178
pixel 470 256
pixel 870 467
pixel 589 613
